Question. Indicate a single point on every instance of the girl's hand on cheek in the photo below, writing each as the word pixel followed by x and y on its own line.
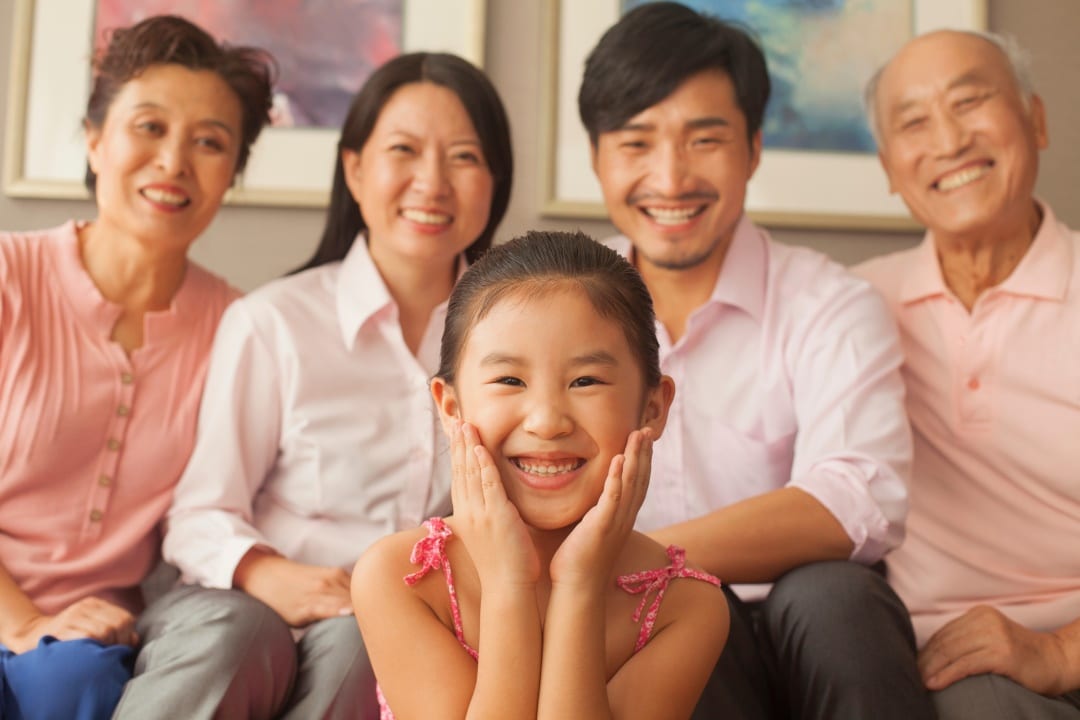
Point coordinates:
pixel 587 556
pixel 487 522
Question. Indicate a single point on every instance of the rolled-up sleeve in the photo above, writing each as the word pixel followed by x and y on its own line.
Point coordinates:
pixel 209 527
pixel 853 451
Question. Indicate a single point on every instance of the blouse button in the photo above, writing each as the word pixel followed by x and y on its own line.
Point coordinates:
pixel 95 516
pixel 123 411
pixel 127 378
pixel 113 444
pixel 104 480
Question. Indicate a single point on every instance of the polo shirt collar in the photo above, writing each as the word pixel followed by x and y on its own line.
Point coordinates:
pixel 1043 272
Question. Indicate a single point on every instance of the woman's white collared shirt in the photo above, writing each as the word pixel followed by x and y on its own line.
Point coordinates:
pixel 317 433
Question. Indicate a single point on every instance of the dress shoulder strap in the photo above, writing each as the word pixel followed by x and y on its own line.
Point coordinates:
pixel 647 582
pixel 430 554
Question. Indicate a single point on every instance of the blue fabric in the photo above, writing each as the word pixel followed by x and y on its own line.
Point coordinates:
pixel 63 680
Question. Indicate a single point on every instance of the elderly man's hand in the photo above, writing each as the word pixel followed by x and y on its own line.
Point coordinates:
pixel 983 640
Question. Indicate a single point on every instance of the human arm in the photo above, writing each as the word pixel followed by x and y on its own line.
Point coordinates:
pixel 23 624
pixel 847 496
pixel 574 677
pixel 210 526
pixel 504 681
pixel 983 640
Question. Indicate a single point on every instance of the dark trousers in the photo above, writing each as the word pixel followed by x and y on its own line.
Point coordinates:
pixel 832 641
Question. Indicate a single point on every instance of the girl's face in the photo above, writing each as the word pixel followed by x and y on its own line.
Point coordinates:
pixel 554 391
pixel 421 179
pixel 165 155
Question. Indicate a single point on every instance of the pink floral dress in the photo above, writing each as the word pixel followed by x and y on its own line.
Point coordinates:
pixel 430 554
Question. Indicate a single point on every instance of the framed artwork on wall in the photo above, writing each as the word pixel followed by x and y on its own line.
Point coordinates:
pixel 292 162
pixel 819 168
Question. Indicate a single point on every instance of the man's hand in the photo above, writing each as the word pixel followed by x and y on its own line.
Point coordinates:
pixel 983 640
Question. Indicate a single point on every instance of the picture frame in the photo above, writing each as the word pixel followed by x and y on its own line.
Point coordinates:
pixel 786 190
pixel 44 151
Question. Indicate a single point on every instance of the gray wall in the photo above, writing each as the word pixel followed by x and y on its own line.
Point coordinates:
pixel 250 245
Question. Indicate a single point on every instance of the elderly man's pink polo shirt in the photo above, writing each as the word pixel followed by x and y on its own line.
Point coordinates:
pixel 994 400
pixel 92 441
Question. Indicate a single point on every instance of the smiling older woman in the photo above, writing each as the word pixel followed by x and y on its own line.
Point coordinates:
pixel 105 328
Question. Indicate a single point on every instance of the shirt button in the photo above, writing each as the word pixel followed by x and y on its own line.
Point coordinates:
pixel 113 444
pixel 973 383
pixel 96 515
pixel 127 378
pixel 104 480
pixel 123 411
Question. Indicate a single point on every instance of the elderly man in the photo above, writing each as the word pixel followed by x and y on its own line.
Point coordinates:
pixel 787 448
pixel 989 312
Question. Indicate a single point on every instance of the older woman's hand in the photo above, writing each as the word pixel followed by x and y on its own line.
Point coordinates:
pixel 90 617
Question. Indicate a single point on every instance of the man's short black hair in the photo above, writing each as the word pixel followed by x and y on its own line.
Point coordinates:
pixel 652 50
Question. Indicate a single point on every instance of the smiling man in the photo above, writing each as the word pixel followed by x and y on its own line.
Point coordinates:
pixel 787 451
pixel 989 314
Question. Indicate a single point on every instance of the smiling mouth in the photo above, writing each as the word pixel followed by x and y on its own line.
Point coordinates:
pixel 547 468
pixel 166 197
pixel 963 177
pixel 426 218
pixel 673 216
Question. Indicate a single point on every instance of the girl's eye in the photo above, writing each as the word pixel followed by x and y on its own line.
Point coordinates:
pixel 508 380
pixel 150 126
pixel 585 382
pixel 401 148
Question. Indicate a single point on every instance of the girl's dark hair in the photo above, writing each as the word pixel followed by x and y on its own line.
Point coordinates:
pixel 344 218
pixel 170 40
pixel 652 50
pixel 537 263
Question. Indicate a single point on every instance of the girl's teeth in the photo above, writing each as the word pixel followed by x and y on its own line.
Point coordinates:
pixel 534 468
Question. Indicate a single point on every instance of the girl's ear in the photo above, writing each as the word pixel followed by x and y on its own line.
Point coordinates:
pixel 445 399
pixel 657 403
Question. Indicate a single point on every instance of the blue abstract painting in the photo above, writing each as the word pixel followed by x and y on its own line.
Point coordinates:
pixel 820 55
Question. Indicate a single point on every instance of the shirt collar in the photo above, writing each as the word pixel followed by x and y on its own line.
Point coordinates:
pixel 99 313
pixel 742 277
pixel 741 282
pixel 361 294
pixel 1043 272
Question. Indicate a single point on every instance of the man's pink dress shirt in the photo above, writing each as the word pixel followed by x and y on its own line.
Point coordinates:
pixel 787 376
pixel 317 433
pixel 994 400
pixel 92 441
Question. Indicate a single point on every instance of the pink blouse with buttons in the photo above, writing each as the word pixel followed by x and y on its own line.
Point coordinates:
pixel 430 554
pixel 92 440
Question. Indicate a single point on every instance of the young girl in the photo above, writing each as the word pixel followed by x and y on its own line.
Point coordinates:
pixel 536 598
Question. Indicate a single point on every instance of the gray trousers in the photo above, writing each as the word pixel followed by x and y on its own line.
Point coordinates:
pixel 993 697
pixel 222 653
pixel 832 642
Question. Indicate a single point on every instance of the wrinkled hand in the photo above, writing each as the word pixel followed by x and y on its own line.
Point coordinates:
pixel 588 554
pixel 487 522
pixel 90 617
pixel 983 640
pixel 301 594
